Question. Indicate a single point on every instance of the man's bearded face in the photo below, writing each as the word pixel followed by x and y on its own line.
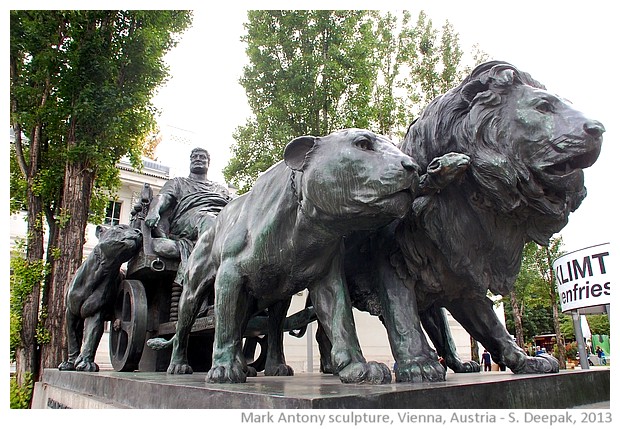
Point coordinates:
pixel 199 162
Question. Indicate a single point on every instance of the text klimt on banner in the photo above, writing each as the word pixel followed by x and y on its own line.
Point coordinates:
pixel 584 277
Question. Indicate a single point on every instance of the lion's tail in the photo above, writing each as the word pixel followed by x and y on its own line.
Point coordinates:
pixel 160 343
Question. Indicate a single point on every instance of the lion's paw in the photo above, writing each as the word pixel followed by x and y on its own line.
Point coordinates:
pixel 179 368
pixel 66 366
pixel 541 364
pixel 87 366
pixel 251 372
pixel 226 374
pixel 280 370
pixel 371 373
pixel 464 366
pixel 420 370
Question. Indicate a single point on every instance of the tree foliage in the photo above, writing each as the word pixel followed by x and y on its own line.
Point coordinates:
pixel 86 78
pixel 537 302
pixel 308 73
pixel 81 89
pixel 598 323
pixel 528 309
pixel 311 72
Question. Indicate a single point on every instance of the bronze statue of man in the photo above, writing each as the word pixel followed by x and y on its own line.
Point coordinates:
pixel 184 208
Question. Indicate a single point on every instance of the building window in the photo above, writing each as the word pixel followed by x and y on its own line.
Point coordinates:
pixel 113 213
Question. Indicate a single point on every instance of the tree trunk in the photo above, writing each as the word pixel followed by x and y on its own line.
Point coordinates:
pixel 475 351
pixel 556 328
pixel 558 332
pixel 51 258
pixel 556 318
pixel 52 243
pixel 26 357
pixel 518 319
pixel 79 179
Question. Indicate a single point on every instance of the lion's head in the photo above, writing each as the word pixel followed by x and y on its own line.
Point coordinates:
pixel 528 147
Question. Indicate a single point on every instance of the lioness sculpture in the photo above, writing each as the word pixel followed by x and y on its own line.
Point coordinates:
pixel 90 296
pixel 528 149
pixel 286 235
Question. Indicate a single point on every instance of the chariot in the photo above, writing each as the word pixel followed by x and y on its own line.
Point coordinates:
pixel 147 303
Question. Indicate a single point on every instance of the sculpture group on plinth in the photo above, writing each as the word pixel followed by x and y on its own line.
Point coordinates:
pixel 347 217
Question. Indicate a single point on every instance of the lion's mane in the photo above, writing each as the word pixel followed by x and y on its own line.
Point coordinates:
pixel 472 119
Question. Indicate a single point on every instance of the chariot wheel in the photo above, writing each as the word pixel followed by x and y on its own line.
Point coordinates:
pixel 128 327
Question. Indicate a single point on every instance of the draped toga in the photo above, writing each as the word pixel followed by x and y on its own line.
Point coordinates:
pixel 195 204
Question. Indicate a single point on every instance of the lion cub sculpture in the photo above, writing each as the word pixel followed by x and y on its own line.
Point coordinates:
pixel 91 295
pixel 286 235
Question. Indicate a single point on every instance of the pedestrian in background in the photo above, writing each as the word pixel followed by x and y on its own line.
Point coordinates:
pixel 486 360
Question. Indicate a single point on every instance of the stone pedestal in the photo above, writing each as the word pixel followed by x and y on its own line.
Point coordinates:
pixel 490 390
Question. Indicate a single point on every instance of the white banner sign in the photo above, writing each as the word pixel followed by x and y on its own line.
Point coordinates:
pixel 584 278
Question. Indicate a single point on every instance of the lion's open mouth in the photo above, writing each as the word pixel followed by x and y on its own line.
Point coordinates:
pixel 578 162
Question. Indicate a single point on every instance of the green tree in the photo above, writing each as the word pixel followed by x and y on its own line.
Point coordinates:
pixel 544 260
pixel 34 67
pixel 311 72
pixel 81 85
pixel 517 296
pixel 391 41
pixel 536 316
pixel 433 63
pixel 534 301
pixel 527 310
pixel 599 325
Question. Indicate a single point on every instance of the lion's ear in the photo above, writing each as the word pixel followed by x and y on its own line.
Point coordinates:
pixel 295 152
pixel 100 230
pixel 499 77
pixel 473 88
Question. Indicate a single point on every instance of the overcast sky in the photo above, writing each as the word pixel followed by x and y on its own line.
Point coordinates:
pixel 565 45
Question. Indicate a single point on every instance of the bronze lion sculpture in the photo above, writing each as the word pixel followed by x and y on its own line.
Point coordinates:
pixel 286 235
pixel 528 149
